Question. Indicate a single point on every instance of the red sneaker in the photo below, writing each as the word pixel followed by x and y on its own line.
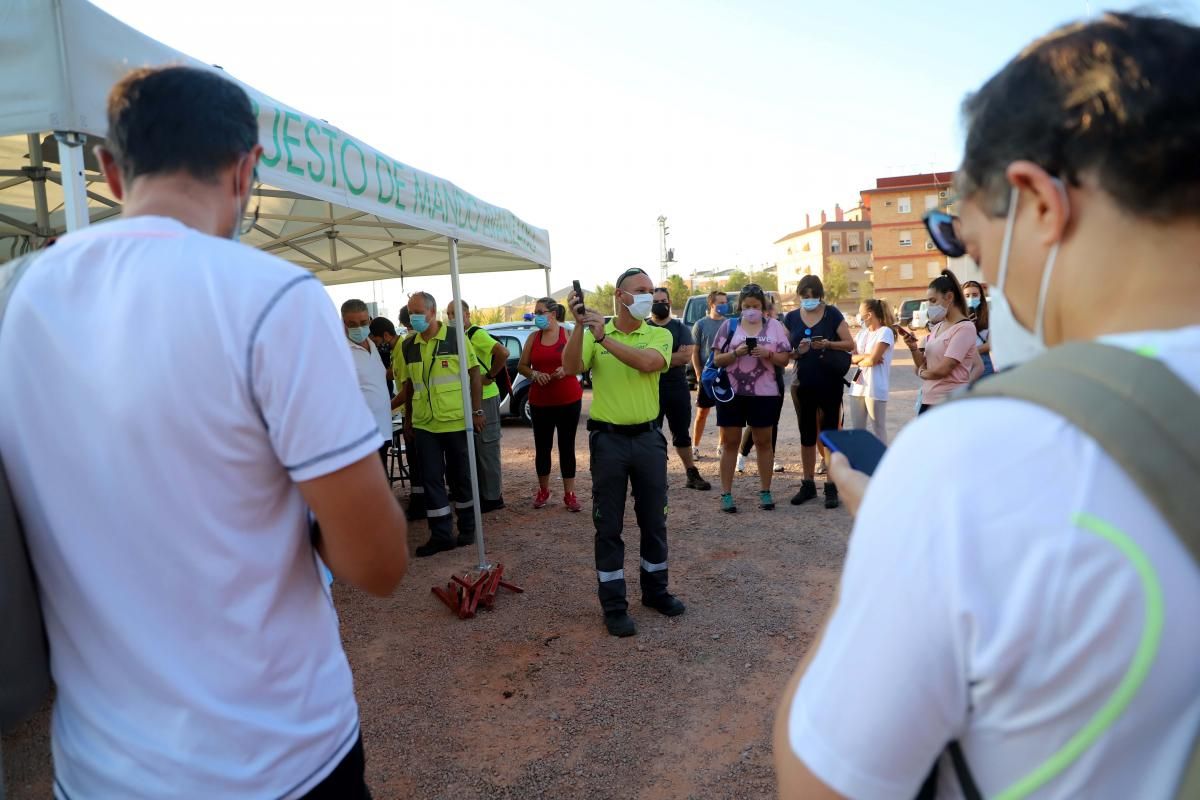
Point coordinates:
pixel 571 502
pixel 540 499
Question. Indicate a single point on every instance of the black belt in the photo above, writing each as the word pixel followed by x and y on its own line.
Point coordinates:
pixel 624 430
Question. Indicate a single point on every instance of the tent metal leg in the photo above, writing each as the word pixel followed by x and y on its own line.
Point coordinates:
pixel 465 381
pixel 547 281
pixel 40 204
pixel 70 156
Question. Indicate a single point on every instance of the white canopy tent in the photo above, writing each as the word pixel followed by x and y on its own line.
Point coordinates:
pixel 329 202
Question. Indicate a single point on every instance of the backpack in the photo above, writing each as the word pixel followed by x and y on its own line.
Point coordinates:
pixel 1147 420
pixel 24 650
pixel 714 380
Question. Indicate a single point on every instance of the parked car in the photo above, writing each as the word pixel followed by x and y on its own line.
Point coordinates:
pixel 904 314
pixel 513 336
pixel 920 317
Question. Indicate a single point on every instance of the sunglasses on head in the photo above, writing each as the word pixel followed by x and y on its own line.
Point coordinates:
pixel 628 272
pixel 943 230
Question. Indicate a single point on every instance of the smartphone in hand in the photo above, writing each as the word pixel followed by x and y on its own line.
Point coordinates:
pixel 751 343
pixel 861 448
pixel 579 294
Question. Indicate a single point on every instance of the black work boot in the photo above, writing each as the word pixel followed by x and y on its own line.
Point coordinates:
pixel 433 547
pixel 831 495
pixel 619 623
pixel 694 481
pixel 808 490
pixel 668 605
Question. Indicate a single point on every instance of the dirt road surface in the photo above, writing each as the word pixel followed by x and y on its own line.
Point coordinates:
pixel 534 699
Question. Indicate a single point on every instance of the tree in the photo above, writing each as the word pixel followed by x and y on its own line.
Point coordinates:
pixel 769 283
pixel 736 280
pixel 679 291
pixel 488 316
pixel 602 298
pixel 837 282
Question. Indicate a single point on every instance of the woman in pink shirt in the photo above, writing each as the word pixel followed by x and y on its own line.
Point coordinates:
pixel 950 351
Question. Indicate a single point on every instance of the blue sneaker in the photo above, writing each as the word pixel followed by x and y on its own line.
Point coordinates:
pixel 765 501
pixel 727 504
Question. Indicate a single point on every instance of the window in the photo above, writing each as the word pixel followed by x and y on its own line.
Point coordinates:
pixel 870 244
pixel 852 241
pixel 805 248
pixel 906 238
pixel 854 288
pixel 931 202
pixel 905 205
pixel 933 269
pixel 789 251
pixel 906 272
pixel 835 244
pixel 852 248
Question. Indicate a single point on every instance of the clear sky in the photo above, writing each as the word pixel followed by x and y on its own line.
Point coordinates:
pixel 590 119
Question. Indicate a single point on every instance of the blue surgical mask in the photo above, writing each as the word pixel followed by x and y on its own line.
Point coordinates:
pixel 723 309
pixel 810 303
pixel 359 335
pixel 419 323
pixel 541 321
pixel 973 303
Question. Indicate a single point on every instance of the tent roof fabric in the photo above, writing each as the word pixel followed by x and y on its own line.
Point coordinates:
pixel 329 202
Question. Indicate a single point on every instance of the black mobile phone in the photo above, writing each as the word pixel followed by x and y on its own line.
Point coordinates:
pixel 861 448
pixel 751 342
pixel 818 338
pixel 578 293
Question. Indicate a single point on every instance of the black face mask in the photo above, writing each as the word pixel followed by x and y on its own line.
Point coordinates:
pixel 661 310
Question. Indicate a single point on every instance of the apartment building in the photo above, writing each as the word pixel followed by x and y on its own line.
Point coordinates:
pixel 814 248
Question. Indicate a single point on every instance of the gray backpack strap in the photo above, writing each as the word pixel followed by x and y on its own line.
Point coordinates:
pixel 24 656
pixel 1139 411
pixel 1143 416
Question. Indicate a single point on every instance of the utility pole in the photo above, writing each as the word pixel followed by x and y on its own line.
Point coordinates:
pixel 665 256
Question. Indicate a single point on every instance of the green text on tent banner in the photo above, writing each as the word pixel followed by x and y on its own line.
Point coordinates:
pixel 316 152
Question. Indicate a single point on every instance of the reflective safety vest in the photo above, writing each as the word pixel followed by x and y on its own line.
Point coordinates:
pixel 432 367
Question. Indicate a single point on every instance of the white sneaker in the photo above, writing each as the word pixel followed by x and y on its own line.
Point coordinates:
pixel 741 463
pixel 822 469
pixel 778 467
pixel 720 451
pixel 695 452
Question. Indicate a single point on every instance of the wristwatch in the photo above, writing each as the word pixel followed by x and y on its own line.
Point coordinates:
pixel 478 412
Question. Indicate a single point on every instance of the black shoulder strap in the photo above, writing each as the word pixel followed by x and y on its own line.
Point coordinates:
pixel 471 331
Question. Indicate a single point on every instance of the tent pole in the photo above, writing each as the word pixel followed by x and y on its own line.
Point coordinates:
pixel 70 156
pixel 39 184
pixel 465 381
pixel 547 281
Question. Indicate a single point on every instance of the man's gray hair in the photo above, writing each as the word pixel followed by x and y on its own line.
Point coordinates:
pixel 354 306
pixel 430 303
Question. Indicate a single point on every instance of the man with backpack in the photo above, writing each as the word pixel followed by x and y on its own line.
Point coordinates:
pixel 1034 633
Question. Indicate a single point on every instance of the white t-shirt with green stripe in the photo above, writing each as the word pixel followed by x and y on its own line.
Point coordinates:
pixel 1033 605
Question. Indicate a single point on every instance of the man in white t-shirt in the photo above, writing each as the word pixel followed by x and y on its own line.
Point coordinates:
pixel 1036 609
pixel 193 642
pixel 372 376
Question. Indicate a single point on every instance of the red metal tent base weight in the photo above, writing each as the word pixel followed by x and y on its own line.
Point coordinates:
pixel 464 596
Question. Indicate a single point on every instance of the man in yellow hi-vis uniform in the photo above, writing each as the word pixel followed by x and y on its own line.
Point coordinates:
pixel 427 371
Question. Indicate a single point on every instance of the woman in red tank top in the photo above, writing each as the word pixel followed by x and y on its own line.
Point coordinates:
pixel 555 400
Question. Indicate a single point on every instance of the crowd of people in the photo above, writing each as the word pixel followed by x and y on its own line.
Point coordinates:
pixel 1031 632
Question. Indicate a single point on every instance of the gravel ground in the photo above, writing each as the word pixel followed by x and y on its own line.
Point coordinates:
pixel 535 700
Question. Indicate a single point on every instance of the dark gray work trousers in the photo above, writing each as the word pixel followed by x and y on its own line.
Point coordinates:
pixel 619 461
pixel 443 460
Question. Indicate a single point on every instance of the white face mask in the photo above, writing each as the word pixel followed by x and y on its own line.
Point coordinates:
pixel 1012 342
pixel 640 307
pixel 936 313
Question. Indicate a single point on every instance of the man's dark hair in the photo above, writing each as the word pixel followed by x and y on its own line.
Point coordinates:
pixel 664 290
pixel 1115 97
pixel 714 294
pixel 382 325
pixel 178 119
pixel 629 273
pixel 404 317
pixel 353 306
pixel 811 283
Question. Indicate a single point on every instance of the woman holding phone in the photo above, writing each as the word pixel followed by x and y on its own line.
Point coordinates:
pixel 555 401
pixel 821 344
pixel 750 353
pixel 748 436
pixel 946 363
pixel 977 310
pixel 869 390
